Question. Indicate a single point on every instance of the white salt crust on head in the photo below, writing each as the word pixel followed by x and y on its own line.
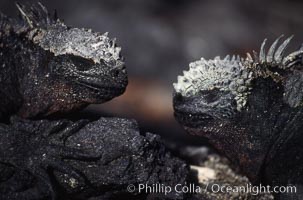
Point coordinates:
pixel 79 42
pixel 226 74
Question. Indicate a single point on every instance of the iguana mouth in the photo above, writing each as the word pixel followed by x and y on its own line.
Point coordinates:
pixel 100 88
pixel 193 119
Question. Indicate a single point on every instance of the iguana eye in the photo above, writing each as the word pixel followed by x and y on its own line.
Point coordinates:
pixel 82 64
pixel 210 95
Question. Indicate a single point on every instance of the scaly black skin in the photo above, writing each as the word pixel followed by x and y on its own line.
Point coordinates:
pixel 45 67
pixel 62 159
pixel 36 148
pixel 265 137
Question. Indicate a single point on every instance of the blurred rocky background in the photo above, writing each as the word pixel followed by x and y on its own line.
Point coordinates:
pixel 160 37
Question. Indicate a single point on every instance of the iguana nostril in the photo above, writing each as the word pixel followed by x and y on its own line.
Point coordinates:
pixel 178 97
pixel 120 66
pixel 118 69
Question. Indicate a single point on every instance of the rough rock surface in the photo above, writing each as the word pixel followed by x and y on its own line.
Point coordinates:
pixel 209 169
pixel 216 171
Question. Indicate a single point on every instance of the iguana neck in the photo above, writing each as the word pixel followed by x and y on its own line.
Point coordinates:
pixel 10 72
pixel 247 138
pixel 11 99
pixel 241 148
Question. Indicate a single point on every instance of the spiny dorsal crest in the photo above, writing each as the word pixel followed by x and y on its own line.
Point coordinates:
pixel 36 15
pixel 235 74
pixel 53 35
pixel 275 56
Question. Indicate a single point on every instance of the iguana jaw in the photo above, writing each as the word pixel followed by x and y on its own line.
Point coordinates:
pixel 114 82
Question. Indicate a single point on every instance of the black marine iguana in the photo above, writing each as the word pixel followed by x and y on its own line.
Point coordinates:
pixel 82 159
pixel 250 109
pixel 47 67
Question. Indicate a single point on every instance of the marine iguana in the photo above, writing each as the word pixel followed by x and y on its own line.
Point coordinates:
pixel 47 67
pixel 250 110
pixel 95 158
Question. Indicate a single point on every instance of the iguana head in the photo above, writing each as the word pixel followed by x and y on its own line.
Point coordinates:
pixel 212 89
pixel 70 67
pixel 239 104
